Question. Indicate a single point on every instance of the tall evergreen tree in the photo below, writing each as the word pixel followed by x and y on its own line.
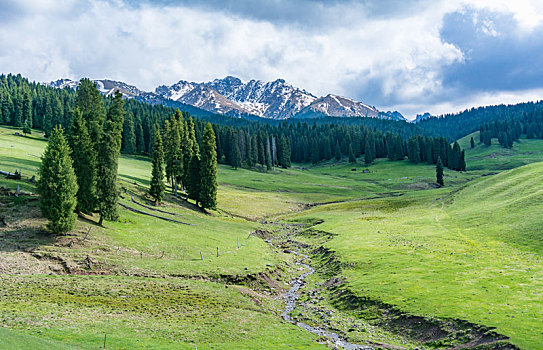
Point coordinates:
pixel 472 142
pixel 268 154
pixel 140 139
pixel 129 135
pixel 84 163
pixel 337 152
pixel 439 172
pixel 369 149
pixel 352 158
pixel 91 105
pixel 57 185
pixel 284 153
pixel 315 154
pixel 156 189
pixel 194 184
pixel 235 153
pixel 250 152
pixel 189 145
pixel 108 161
pixel 208 169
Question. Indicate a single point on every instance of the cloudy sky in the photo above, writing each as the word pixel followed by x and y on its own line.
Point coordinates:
pixel 413 56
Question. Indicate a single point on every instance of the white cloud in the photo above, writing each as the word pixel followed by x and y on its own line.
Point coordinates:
pixel 395 59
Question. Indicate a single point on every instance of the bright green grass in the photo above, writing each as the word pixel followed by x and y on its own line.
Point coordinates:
pixel 253 195
pixel 495 157
pixel 140 313
pixel 478 259
pixel 10 339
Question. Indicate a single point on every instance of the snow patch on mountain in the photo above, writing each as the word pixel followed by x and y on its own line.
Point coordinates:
pixel 276 100
pixel 105 86
pixel 338 106
pixel 231 96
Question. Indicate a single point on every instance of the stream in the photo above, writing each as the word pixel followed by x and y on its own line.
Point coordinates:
pixel 291 298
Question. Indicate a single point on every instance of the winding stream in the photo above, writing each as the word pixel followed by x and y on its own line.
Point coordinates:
pixel 291 298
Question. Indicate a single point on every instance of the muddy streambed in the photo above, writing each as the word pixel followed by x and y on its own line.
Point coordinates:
pixel 291 298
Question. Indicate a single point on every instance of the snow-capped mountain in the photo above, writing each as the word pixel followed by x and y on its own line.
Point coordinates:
pixel 230 96
pixel 275 100
pixel 105 86
pixel 337 106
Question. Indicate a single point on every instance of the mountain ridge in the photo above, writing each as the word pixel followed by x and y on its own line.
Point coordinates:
pixel 229 96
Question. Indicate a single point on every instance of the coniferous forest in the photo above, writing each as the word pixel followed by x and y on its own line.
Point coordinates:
pixel 239 143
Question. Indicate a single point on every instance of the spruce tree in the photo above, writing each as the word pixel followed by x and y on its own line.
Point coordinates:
pixel 27 127
pixel 140 140
pixel 369 149
pixel 235 153
pixel 337 152
pixel 455 160
pixel 250 153
pixel 315 156
pixel 352 158
pixel 84 164
pixel 208 169
pixel 57 185
pixel 129 135
pixel 284 152
pixel 108 161
pixel 268 154
pixel 90 103
pixel 439 172
pixel 188 148
pixel 156 189
pixel 462 163
pixel 193 185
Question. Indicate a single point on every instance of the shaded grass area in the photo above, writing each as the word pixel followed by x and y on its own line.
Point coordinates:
pixel 478 259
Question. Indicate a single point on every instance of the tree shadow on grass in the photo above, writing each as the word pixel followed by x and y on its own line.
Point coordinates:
pixel 11 164
pixel 134 179
pixel 24 230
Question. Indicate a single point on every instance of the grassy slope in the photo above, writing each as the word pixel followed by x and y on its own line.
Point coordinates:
pixel 478 259
pixel 496 158
pixel 135 312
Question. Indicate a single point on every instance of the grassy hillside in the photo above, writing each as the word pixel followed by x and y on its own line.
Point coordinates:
pixel 496 158
pixel 473 255
pixel 128 279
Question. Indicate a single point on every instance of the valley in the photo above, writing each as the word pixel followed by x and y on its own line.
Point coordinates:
pixel 400 263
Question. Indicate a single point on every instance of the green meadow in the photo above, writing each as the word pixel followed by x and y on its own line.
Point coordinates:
pixel 470 250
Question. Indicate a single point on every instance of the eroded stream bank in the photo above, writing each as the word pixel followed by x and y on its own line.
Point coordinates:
pixel 291 298
pixel 319 301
